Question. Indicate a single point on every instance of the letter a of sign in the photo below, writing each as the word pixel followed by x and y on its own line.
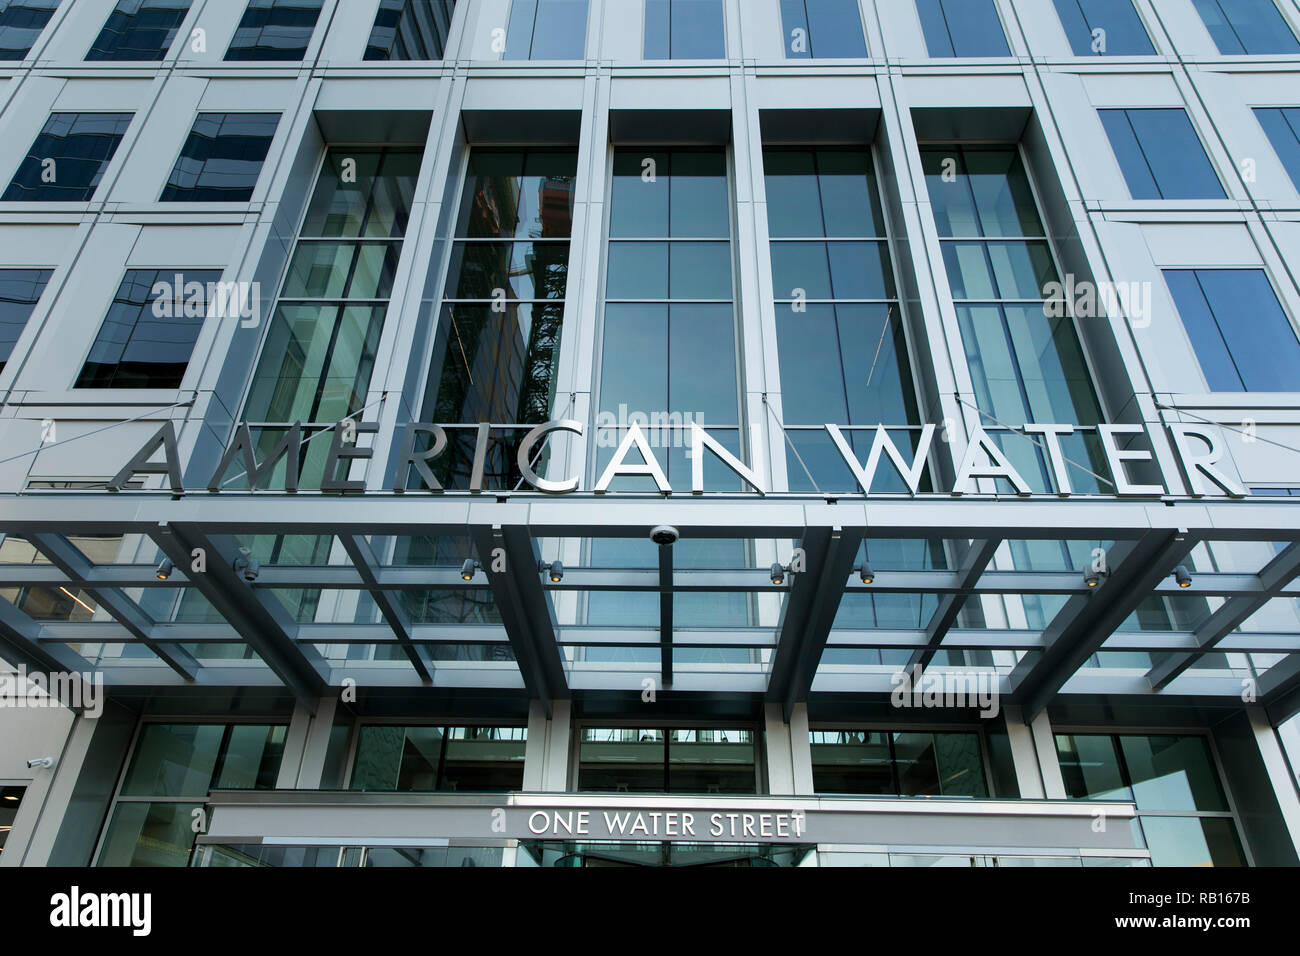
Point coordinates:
pixel 140 464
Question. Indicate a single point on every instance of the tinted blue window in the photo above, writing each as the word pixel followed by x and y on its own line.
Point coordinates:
pixel 1242 338
pixel 410 30
pixel 1160 154
pixel 139 30
pixel 21 22
pixel 684 30
pixel 1103 28
pixel 962 28
pixel 822 28
pixel 20 289
pixel 1247 26
pixel 1283 129
pixel 68 158
pixel 222 158
pixel 547 30
pixel 138 348
pixel 274 30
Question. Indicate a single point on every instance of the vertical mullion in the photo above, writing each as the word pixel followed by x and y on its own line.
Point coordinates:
pixel 1137 140
pixel 668 736
pixel 222 749
pixel 1214 317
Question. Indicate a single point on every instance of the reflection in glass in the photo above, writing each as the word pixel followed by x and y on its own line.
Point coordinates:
pixel 1247 26
pixel 1243 339
pixel 684 30
pixel 546 30
pixel 410 30
pixel 962 28
pixel 822 28
pixel 1124 34
pixel 1160 154
pixel 627 760
pixel 1164 774
pixel 897 764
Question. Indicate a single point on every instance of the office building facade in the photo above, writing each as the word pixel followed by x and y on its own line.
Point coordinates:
pixel 650 432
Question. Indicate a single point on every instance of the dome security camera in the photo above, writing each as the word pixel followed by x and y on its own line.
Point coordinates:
pixel 664 534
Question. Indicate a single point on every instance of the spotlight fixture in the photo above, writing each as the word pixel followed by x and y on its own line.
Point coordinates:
pixel 165 568
pixel 1183 576
pixel 469 569
pixel 554 570
pixel 1092 577
pixel 865 574
pixel 778 574
pixel 248 567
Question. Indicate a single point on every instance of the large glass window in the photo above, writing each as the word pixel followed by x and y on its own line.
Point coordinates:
pixel 684 30
pixel 21 22
pixel 1282 126
pixel 842 349
pixel 410 30
pixel 1243 339
pixel 823 29
pixel 962 28
pixel 843 356
pixel 547 30
pixel 901 764
pixel 274 30
pixel 414 759
pixel 139 30
pixel 20 290
pixel 1247 26
pixel 669 358
pixel 1104 28
pixel 497 348
pixel 669 355
pixel 1025 359
pixel 320 350
pixel 68 158
pixel 222 158
pixel 1022 348
pixel 1182 810
pixel 148 335
pixel 627 760
pixel 173 768
pixel 1160 154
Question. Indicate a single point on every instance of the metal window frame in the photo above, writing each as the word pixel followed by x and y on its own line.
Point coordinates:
pixel 1152 536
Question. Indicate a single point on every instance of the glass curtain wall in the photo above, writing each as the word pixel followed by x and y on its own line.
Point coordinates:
pixel 172 769
pixel 1183 812
pixel 844 360
pixel 632 760
pixel 496 353
pixel 902 764
pixel 497 349
pixel 419 759
pixel 319 353
pixel 669 359
pixel 1023 350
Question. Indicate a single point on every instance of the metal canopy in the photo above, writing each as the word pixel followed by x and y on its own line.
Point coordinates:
pixel 523 645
